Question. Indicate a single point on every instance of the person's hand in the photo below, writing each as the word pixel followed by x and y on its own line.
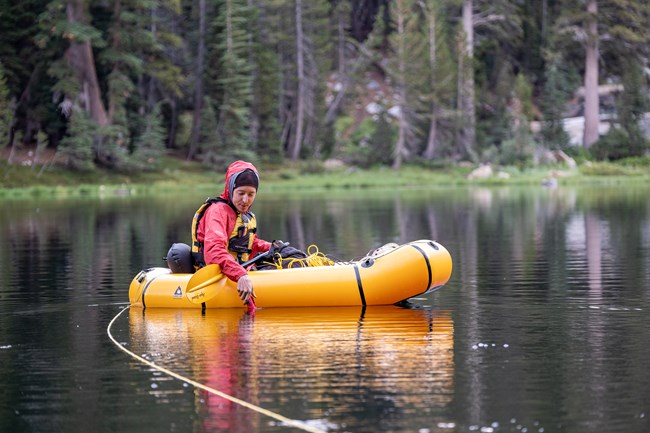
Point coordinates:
pixel 277 245
pixel 245 289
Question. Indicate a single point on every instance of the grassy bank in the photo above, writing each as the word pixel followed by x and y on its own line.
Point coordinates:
pixel 18 180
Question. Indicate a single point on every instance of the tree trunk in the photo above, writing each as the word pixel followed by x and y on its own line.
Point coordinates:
pixel 295 145
pixel 79 56
pixel 591 77
pixel 345 78
pixel 112 103
pixel 340 31
pixel 432 142
pixel 400 146
pixel 151 85
pixel 431 147
pixel 173 126
pixel 468 113
pixel 198 86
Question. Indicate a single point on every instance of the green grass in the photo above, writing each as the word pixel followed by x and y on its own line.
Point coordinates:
pixel 179 175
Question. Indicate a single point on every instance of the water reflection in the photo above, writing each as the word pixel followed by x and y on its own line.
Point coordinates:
pixel 341 363
pixel 549 299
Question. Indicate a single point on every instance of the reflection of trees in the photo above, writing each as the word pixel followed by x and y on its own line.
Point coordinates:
pixel 84 246
pixel 521 257
pixel 59 257
pixel 593 248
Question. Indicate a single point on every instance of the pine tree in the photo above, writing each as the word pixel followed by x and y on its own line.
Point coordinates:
pixel 628 46
pixel 77 146
pixel 79 56
pixel 199 78
pixel 265 90
pixel 557 87
pixel 607 35
pixel 592 104
pixel 213 153
pixel 486 73
pixel 150 145
pixel 466 90
pixel 163 47
pixel 25 68
pixel 135 35
pixel 302 70
pixel 231 73
pixel 300 52
pixel 77 84
pixel 408 70
pixel 440 72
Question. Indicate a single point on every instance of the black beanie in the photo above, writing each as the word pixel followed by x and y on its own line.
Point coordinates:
pixel 246 178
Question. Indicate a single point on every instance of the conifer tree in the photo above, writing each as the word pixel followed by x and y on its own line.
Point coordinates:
pixel 557 87
pixel 77 86
pixel 295 142
pixel 25 67
pixel 609 34
pixel 440 72
pixel 231 73
pixel 212 152
pixel 77 146
pixel 80 58
pixel 466 91
pixel 302 69
pixel 265 89
pixel 198 73
pixel 627 44
pixel 265 64
pixel 134 35
pixel 408 69
pixel 491 33
pixel 345 69
pixel 592 104
pixel 150 145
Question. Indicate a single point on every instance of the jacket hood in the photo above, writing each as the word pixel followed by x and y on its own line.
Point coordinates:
pixel 231 175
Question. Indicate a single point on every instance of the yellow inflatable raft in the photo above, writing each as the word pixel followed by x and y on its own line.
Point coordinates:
pixel 385 278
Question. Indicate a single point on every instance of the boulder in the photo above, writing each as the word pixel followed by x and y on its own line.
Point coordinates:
pixel 481 172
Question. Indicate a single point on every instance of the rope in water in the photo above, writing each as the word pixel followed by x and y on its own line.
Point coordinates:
pixel 283 419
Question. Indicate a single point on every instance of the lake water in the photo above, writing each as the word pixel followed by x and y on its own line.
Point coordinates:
pixel 543 327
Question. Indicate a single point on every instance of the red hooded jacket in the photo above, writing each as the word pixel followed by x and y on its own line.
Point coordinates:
pixel 217 224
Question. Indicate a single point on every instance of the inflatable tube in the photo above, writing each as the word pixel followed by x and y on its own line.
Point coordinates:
pixel 409 270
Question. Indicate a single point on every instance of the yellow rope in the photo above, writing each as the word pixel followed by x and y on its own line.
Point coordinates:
pixel 287 421
pixel 314 258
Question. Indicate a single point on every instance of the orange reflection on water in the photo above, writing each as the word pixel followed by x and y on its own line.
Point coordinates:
pixel 306 363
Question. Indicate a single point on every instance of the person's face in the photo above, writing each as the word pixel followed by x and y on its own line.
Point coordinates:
pixel 243 198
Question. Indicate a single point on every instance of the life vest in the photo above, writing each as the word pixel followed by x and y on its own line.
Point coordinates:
pixel 240 241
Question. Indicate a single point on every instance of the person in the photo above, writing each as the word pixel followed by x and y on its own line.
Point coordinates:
pixel 225 230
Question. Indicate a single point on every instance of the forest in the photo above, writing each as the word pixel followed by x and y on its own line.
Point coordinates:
pixel 118 84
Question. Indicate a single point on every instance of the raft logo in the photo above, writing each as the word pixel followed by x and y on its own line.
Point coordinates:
pixel 178 293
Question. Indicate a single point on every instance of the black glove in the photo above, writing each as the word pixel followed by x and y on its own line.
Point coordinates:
pixel 276 246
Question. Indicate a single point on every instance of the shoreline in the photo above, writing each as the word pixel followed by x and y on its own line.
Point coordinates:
pixel 178 176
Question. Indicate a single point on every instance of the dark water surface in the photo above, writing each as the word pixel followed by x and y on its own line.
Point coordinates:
pixel 544 326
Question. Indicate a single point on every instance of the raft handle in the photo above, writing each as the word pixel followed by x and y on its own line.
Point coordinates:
pixel 434 245
pixel 367 263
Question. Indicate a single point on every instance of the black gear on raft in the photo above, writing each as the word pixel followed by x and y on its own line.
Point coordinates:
pixel 179 259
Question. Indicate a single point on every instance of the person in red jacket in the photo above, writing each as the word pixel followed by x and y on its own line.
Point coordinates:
pixel 226 233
